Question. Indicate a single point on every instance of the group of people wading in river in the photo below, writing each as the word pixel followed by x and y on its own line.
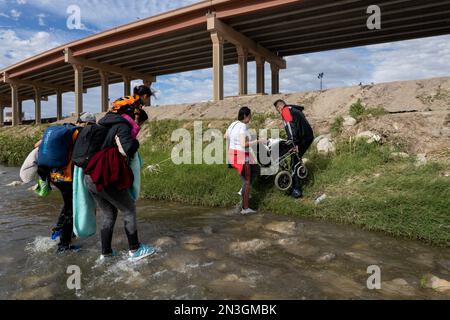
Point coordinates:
pixel 100 161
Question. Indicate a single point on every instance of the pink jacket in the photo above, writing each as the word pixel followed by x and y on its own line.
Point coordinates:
pixel 134 126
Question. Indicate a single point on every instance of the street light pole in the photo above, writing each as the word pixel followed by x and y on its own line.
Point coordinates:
pixel 321 78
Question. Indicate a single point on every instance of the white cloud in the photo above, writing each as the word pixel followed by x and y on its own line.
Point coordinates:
pixel 21 2
pixel 41 19
pixel 14 48
pixel 104 14
pixel 413 59
pixel 15 14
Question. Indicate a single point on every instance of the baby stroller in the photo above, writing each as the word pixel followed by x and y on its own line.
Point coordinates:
pixel 274 158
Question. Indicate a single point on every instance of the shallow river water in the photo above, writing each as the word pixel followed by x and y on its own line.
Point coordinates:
pixel 208 253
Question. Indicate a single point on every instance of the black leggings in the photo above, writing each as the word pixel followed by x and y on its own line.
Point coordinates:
pixel 65 220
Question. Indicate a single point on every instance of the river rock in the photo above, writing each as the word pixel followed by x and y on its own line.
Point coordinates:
pixel 285 227
pixel 398 155
pixel 194 239
pixel 208 230
pixel 362 257
pixel 432 282
pixel 165 242
pixel 299 249
pixel 192 247
pixel 421 160
pixel 398 287
pixel 288 242
pixel 369 136
pixel 15 184
pixel 326 146
pixel 246 247
pixel 320 137
pixel 326 257
pixel 349 121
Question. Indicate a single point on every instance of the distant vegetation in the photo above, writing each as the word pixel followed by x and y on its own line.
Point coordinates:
pixel 359 112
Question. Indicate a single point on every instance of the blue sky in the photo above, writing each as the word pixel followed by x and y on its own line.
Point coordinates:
pixel 28 27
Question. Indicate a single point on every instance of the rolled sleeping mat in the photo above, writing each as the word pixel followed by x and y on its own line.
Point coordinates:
pixel 84 219
pixel 29 169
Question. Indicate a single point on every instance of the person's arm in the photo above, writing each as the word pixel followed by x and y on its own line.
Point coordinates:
pixel 38 144
pixel 245 140
pixel 128 143
pixel 290 125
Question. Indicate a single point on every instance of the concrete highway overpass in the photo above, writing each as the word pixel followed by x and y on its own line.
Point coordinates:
pixel 209 34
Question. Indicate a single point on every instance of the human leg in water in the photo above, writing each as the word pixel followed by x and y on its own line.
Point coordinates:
pixel 65 220
pixel 109 203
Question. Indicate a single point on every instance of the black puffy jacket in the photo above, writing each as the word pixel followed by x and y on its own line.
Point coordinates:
pixel 297 127
pixel 119 126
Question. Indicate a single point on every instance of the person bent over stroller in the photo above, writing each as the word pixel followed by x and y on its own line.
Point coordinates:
pixel 301 134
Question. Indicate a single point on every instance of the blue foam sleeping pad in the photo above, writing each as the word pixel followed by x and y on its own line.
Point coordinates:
pixel 136 165
pixel 84 219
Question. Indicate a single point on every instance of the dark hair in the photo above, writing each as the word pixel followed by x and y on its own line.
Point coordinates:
pixel 142 90
pixel 277 102
pixel 143 116
pixel 244 112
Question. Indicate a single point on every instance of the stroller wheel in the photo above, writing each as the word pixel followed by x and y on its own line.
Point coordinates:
pixel 283 180
pixel 302 172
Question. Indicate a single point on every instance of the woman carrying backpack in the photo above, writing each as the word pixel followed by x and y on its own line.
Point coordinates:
pixel 108 176
pixel 62 176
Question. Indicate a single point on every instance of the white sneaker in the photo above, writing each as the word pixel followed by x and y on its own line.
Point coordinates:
pixel 247 211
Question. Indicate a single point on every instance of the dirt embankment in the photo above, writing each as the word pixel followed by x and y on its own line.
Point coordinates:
pixel 418 111
pixel 424 126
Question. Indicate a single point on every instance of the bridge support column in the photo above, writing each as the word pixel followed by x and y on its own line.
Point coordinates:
pixel 126 86
pixel 148 83
pixel 260 81
pixel 20 111
pixel 242 70
pixel 218 42
pixel 275 79
pixel 104 77
pixel 37 106
pixel 78 69
pixel 2 117
pixel 14 104
pixel 59 105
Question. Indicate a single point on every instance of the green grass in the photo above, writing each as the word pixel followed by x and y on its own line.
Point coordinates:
pixel 14 150
pixel 364 187
pixel 337 126
pixel 359 112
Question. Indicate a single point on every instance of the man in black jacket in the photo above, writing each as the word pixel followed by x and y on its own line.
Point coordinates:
pixel 299 132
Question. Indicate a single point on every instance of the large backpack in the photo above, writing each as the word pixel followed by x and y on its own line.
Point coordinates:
pixel 89 142
pixel 54 151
